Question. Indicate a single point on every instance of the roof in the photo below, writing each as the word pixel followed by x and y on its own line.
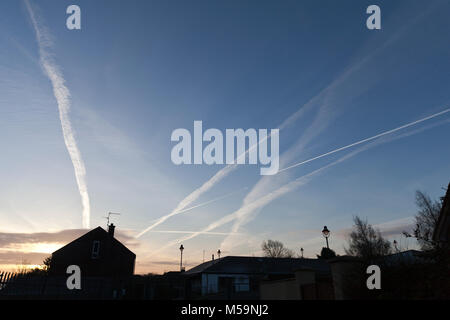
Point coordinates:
pixel 260 265
pixel 408 256
pixel 101 231
pixel 441 232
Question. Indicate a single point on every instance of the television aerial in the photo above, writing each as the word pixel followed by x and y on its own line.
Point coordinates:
pixel 109 216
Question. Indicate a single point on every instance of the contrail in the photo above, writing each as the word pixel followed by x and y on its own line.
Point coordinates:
pixel 367 139
pixel 194 195
pixel 222 173
pixel 173 213
pixel 282 190
pixel 62 95
pixel 240 219
pixel 264 200
pixel 244 216
pixel 194 232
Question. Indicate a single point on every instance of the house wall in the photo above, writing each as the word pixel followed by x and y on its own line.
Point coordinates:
pixel 113 260
pixel 280 290
pixel 304 286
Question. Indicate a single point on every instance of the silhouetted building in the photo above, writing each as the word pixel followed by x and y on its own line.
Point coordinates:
pixel 240 277
pixel 97 253
pixel 442 230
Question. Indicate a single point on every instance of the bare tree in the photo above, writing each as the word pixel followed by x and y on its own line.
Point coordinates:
pixel 426 220
pixel 47 264
pixel 276 249
pixel 366 242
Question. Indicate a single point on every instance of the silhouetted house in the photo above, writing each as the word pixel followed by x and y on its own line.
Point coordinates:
pixel 442 231
pixel 240 277
pixel 97 253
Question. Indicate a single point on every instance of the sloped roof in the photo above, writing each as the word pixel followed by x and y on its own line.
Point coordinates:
pixel 97 230
pixel 260 265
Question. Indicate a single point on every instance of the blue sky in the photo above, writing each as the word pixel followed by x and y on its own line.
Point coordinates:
pixel 137 70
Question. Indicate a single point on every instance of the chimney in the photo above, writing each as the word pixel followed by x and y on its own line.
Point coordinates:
pixel 111 228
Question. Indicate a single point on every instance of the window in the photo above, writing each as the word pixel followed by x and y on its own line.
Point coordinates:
pixel 241 284
pixel 95 249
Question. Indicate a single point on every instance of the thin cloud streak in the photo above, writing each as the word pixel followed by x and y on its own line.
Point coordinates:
pixel 193 232
pixel 181 210
pixel 368 139
pixel 62 95
pixel 194 195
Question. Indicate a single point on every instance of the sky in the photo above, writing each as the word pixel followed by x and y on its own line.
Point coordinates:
pixel 86 118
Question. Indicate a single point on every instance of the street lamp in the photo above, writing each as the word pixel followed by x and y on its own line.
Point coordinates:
pixel 301 250
pixel 395 246
pixel 218 253
pixel 181 259
pixel 326 234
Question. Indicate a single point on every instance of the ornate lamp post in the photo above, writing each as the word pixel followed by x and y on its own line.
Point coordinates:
pixel 181 259
pixel 326 234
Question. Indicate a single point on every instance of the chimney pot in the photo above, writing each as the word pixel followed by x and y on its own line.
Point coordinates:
pixel 111 228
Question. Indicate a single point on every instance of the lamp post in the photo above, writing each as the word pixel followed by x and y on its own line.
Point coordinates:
pixel 301 250
pixel 218 253
pixel 326 234
pixel 395 246
pixel 181 259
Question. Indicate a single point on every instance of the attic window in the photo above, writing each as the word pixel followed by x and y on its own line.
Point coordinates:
pixel 95 249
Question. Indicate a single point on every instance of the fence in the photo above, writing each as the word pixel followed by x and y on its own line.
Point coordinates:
pixel 42 286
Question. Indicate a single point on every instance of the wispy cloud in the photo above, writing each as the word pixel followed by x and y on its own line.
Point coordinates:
pixel 387 229
pixel 62 95
pixel 193 232
pixel 63 237
pixel 181 208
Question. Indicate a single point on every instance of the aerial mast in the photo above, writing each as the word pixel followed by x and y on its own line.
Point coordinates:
pixel 109 216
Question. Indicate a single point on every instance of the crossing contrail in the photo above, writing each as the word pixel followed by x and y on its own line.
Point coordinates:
pixel 62 95
pixel 368 139
pixel 173 213
pixel 246 216
pixel 195 232
pixel 288 187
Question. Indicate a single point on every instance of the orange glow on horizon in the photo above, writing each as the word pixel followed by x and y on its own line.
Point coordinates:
pixel 40 247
